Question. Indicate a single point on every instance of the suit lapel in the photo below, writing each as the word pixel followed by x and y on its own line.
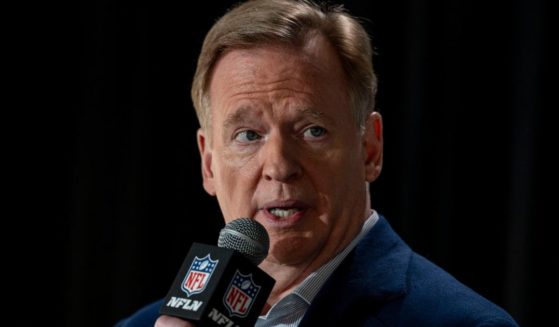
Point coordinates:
pixel 373 274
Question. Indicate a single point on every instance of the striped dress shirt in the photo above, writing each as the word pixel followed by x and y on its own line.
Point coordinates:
pixel 289 311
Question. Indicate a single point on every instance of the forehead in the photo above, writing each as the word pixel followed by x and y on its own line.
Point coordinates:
pixel 305 68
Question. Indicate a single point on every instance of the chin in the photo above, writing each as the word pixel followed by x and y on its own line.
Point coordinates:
pixel 289 250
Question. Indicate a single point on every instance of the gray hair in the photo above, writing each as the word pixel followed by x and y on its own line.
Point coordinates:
pixel 257 22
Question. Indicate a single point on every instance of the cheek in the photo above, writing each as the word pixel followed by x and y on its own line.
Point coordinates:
pixel 339 174
pixel 235 180
pixel 338 164
pixel 230 167
pixel 236 172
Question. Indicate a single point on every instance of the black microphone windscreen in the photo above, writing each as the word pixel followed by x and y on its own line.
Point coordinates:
pixel 246 236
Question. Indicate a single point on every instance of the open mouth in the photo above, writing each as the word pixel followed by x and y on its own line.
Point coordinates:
pixel 283 212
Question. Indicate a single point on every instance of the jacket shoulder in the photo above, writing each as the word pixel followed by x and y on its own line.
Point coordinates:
pixel 434 296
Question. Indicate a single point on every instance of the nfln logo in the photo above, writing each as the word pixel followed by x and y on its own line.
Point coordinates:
pixel 198 275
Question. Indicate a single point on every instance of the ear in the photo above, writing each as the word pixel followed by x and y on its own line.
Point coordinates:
pixel 373 146
pixel 206 157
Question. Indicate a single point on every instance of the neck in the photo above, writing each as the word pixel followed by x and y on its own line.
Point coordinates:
pixel 289 276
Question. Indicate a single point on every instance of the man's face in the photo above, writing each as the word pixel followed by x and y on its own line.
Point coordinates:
pixel 284 149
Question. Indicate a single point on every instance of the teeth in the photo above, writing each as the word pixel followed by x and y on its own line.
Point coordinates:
pixel 282 213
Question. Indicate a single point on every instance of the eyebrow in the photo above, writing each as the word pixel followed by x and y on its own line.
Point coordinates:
pixel 316 114
pixel 311 112
pixel 240 115
pixel 237 117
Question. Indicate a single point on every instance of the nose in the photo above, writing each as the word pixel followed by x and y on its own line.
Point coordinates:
pixel 280 160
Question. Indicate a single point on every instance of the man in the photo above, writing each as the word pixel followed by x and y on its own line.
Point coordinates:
pixel 284 92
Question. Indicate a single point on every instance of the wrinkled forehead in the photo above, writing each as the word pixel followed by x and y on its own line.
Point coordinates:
pixel 314 62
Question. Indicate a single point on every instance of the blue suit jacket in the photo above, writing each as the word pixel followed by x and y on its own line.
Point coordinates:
pixel 382 282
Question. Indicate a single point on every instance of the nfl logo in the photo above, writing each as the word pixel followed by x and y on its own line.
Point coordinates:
pixel 198 275
pixel 240 295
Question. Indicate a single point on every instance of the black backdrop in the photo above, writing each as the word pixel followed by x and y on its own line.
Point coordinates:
pixel 468 131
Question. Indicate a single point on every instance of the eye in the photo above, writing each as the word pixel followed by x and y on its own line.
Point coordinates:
pixel 247 136
pixel 314 132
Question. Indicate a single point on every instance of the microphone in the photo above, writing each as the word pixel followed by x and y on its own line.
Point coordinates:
pixel 222 285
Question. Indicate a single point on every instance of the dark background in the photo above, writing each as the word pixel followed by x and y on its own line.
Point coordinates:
pixel 469 141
